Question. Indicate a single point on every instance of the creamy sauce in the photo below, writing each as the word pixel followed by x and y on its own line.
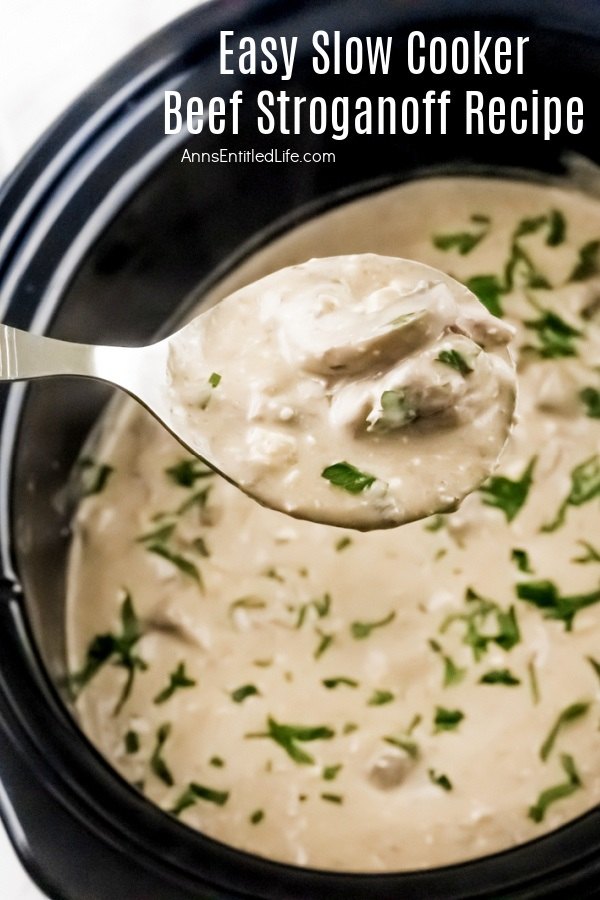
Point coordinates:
pixel 379 701
pixel 352 390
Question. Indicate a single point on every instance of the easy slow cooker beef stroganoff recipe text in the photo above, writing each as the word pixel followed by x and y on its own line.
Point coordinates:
pixel 367 701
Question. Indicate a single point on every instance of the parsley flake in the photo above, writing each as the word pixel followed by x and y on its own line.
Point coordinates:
pixel 499 676
pixel 157 762
pixel 568 715
pixel 348 477
pixel 362 630
pixel 447 719
pixel 545 595
pixel 585 486
pixel 441 780
pixel 246 690
pixel 508 495
pixel 549 796
pixel 177 679
pixel 288 737
pixel 455 360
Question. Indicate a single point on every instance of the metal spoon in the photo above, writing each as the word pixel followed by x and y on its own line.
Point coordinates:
pixel 269 330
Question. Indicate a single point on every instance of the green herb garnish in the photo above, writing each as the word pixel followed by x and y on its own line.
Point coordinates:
pixel 453 674
pixel 246 690
pixel 462 241
pixel 157 762
pixel 590 396
pixel 330 773
pixel 533 682
pixel 447 719
pixel 180 562
pixel 177 679
pixel 588 263
pixel 332 798
pixel 499 676
pixel 568 715
pixel 362 630
pixel 585 486
pixel 521 560
pixel 132 742
pixel 480 611
pixel 435 523
pixel 441 780
pixel 403 743
pixel 380 698
pixel 488 289
pixel 214 379
pixel 188 471
pixel 508 495
pixel 342 544
pixel 545 595
pixel 325 641
pixel 455 360
pixel 217 762
pixel 195 792
pixel 348 477
pixel 590 555
pixel 93 476
pixel 558 792
pixel 115 647
pixel 257 817
pixel 289 736
pixel 331 683
pixel 555 336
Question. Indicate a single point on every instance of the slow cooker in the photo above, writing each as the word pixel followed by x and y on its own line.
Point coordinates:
pixel 105 235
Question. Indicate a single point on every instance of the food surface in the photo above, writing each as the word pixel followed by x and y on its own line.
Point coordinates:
pixel 363 391
pixel 367 701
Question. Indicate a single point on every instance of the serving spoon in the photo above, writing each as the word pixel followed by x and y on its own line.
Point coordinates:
pixel 304 354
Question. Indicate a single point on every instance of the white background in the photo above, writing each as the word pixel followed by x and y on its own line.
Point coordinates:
pixel 50 50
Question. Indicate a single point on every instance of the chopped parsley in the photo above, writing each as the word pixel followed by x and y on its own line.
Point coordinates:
pixel 257 817
pixel 325 641
pixel 558 792
pixel 447 719
pixel 332 798
pixel 403 743
pixel 188 471
pixel 214 380
pixel 462 241
pixel 480 613
pixel 488 289
pixel 246 690
pixel 132 742
pixel 455 360
pixel 590 555
pixel 322 607
pixel 177 679
pixel 499 676
pixel 588 262
pixel 157 762
pixel 195 792
pixel 441 780
pixel 380 698
pixel 590 396
pixel 249 602
pixel 554 221
pixel 217 762
pixel 115 647
pixel 508 495
pixel 585 486
pixel 93 476
pixel 362 630
pixel 533 682
pixel 435 523
pixel 453 674
pixel 555 336
pixel 521 560
pixel 331 683
pixel 594 664
pixel 545 595
pixel 342 544
pixel 348 477
pixel 330 773
pixel 568 715
pixel 180 562
pixel 520 268
pixel 288 737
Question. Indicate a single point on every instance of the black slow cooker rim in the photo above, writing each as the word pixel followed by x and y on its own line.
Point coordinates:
pixel 76 773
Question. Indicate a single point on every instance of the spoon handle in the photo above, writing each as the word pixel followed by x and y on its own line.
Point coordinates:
pixel 24 355
pixel 138 370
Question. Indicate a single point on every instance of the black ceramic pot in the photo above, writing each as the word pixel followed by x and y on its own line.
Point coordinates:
pixel 103 233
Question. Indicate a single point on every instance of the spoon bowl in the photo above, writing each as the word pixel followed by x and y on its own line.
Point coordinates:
pixel 351 388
